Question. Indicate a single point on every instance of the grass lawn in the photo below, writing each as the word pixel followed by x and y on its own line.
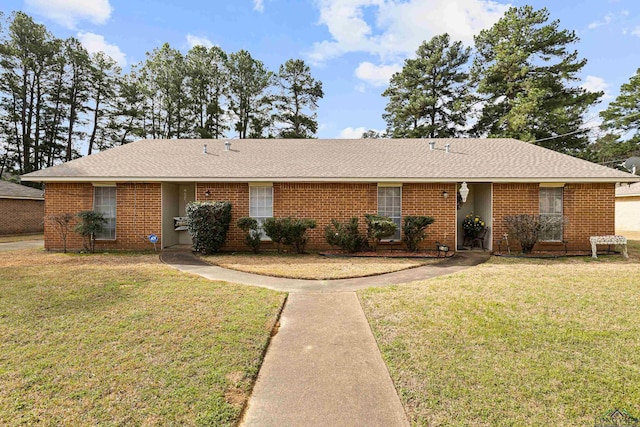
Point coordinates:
pixel 313 266
pixel 20 238
pixel 125 340
pixel 514 342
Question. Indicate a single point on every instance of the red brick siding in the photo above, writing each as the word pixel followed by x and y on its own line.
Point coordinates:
pixel 341 201
pixel 238 195
pixel 426 199
pixel 138 214
pixel 588 208
pixel 590 211
pixel 19 216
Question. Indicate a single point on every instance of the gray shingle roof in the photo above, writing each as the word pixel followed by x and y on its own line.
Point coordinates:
pixel 628 190
pixel 471 160
pixel 9 190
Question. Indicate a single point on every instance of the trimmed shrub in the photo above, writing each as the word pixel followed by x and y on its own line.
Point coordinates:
pixel 253 235
pixel 289 231
pixel 208 223
pixel 346 236
pixel 91 223
pixel 379 227
pixel 414 230
pixel 527 229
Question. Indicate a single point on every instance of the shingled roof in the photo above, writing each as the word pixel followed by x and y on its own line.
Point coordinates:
pixel 9 190
pixel 628 190
pixel 393 160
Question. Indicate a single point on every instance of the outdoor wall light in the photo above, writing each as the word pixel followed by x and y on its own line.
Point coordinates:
pixel 464 191
pixel 207 193
pixel 445 194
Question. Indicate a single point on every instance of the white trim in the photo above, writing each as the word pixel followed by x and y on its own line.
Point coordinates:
pixel 399 180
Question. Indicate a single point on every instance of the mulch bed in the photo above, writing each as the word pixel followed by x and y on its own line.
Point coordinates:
pixel 388 254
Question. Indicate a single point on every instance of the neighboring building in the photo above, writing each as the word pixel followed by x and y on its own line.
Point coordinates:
pixel 141 187
pixel 628 210
pixel 21 209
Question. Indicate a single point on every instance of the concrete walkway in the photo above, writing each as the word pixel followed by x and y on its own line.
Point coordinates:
pixel 183 260
pixel 323 367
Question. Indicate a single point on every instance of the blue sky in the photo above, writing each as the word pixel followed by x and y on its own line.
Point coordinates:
pixel 353 46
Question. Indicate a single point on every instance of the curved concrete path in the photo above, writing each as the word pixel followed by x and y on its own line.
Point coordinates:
pixel 323 367
pixel 185 261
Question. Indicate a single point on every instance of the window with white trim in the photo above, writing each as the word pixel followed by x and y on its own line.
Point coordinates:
pixel 104 201
pixel 390 204
pixel 261 205
pixel 551 211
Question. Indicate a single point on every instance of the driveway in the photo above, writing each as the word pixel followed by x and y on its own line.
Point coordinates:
pixel 26 244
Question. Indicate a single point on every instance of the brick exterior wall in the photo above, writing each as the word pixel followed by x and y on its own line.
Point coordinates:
pixel 588 208
pixel 19 216
pixel 138 214
pixel 341 201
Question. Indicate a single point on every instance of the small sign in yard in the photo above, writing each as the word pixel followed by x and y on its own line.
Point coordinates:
pixel 153 239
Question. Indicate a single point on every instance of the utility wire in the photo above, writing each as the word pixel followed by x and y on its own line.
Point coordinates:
pixel 581 129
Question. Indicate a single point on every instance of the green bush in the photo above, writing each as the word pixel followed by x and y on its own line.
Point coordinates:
pixel 414 230
pixel 253 235
pixel 379 227
pixel 346 236
pixel 208 223
pixel 91 223
pixel 288 231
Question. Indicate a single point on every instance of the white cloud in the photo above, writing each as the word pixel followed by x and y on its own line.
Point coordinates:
pixel 258 5
pixel 69 12
pixel 608 18
pixel 399 26
pixel 596 84
pixel 352 133
pixel 198 41
pixel 636 31
pixel 96 43
pixel 376 75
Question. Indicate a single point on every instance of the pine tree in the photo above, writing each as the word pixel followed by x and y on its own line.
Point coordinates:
pixel 299 91
pixel 430 98
pixel 623 114
pixel 527 77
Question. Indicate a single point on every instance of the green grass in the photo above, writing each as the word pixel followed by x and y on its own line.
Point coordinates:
pixel 313 266
pixel 124 340
pixel 514 342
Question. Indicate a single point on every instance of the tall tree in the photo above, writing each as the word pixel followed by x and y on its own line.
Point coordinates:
pixel 430 98
pixel 249 99
pixel 527 77
pixel 299 93
pixel 103 74
pixel 77 93
pixel 623 114
pixel 127 119
pixel 26 51
pixel 165 76
pixel 207 83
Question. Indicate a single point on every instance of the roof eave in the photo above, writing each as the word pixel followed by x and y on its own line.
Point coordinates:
pixel 336 179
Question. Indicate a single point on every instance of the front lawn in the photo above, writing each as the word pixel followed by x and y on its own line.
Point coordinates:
pixel 313 266
pixel 514 342
pixel 125 340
